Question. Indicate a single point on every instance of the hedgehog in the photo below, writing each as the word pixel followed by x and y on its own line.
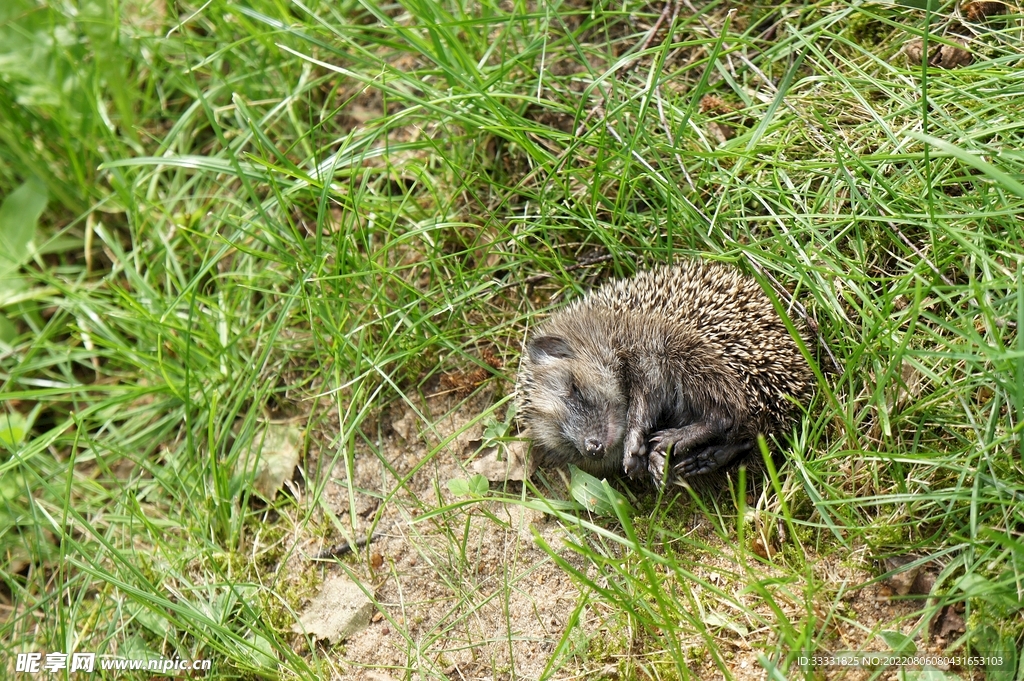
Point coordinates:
pixel 669 376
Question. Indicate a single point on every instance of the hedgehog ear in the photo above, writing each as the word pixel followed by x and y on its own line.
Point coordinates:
pixel 549 348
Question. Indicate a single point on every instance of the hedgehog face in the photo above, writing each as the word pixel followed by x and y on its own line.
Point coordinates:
pixel 576 409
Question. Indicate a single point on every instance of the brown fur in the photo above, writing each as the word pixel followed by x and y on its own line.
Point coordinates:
pixel 673 374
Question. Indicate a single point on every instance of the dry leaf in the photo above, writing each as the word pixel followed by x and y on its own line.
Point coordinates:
pixel 498 466
pixel 758 546
pixel 721 133
pixel 949 623
pixel 979 11
pixel 715 105
pixel 939 55
pixel 901 582
pixel 918 580
pixel 279 452
pixel 909 387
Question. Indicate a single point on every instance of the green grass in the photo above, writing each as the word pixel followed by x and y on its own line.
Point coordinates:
pixel 308 212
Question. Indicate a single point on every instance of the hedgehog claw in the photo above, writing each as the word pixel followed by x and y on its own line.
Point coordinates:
pixel 656 467
pixel 677 439
pixel 632 465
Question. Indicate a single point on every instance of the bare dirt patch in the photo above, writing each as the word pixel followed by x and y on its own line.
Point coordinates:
pixel 463 590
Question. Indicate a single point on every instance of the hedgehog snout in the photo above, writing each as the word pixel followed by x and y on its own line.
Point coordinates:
pixel 601 436
pixel 592 438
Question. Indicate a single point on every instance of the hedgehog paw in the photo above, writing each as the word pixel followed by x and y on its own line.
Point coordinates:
pixel 669 440
pixel 634 455
pixel 656 467
pixel 663 446
pixel 709 459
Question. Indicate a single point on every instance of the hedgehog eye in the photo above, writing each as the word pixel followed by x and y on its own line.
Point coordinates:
pixel 574 392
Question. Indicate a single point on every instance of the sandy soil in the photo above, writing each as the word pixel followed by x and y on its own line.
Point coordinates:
pixel 466 592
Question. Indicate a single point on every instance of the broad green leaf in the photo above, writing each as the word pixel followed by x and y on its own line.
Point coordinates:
pixel 13 427
pixel 899 643
pixel 19 215
pixel 596 495
pixel 999 651
pixel 8 332
pixel 929 674
pixel 476 486
pixel 1001 594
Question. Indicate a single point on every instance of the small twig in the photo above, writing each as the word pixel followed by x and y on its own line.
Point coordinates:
pixel 582 127
pixel 344 548
pixel 657 25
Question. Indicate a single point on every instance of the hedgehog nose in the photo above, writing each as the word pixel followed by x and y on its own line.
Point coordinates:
pixel 594 446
